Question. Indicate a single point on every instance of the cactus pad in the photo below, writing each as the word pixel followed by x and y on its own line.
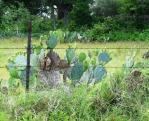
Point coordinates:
pixel 77 71
pixel 51 42
pixel 99 73
pixel 71 56
pixel 103 57
pixel 20 62
pixel 82 57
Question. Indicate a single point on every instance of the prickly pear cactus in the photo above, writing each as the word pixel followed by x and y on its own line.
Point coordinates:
pixel 85 65
pixel 77 71
pixel 87 76
pixel 68 73
pixel 41 55
pixel 129 62
pixel 51 42
pixel 95 52
pixel 71 56
pixel 10 66
pixel 103 57
pixel 20 62
pixel 90 54
pixel 82 57
pixel 34 61
pixel 99 73
pixel 14 73
pixel 22 75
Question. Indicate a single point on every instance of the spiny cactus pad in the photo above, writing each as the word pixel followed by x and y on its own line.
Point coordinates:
pixel 34 62
pixel 103 57
pixel 99 73
pixel 87 75
pixel 22 75
pixel 41 55
pixel 129 62
pixel 77 71
pixel 85 65
pixel 82 57
pixel 14 73
pixel 71 56
pixel 51 42
pixel 20 62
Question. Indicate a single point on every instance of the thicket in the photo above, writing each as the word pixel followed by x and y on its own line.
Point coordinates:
pixel 91 20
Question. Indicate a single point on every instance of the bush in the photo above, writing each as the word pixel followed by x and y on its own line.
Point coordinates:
pixel 41 25
pixel 14 20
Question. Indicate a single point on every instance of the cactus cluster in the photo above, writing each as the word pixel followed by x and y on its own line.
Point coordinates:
pixel 86 69
pixel 17 67
pixel 81 67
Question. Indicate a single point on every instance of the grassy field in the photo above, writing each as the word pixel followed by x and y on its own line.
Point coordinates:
pixel 118 53
pixel 114 99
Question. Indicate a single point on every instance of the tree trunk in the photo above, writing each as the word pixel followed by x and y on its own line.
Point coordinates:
pixel 52 15
pixel 60 11
pixel 65 18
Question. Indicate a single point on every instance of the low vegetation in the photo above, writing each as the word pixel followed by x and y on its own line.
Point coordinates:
pixel 122 95
pixel 105 47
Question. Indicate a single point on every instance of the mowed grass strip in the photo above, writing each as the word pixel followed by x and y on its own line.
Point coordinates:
pixel 118 55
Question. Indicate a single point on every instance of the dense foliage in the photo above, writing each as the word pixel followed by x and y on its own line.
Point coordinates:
pixel 104 20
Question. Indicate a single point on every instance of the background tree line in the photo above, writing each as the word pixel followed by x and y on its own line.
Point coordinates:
pixel 71 15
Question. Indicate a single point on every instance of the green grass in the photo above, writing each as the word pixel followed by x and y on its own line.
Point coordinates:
pixel 118 55
pixel 110 100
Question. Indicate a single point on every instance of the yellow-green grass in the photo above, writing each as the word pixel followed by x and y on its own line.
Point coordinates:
pixel 118 55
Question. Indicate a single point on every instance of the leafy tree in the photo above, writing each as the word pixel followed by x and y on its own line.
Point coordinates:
pixel 15 18
pixel 33 6
pixel 1 9
pixel 63 9
pixel 134 7
pixel 81 14
pixel 105 7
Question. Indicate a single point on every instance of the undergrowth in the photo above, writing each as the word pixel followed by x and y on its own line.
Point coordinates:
pixel 110 100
